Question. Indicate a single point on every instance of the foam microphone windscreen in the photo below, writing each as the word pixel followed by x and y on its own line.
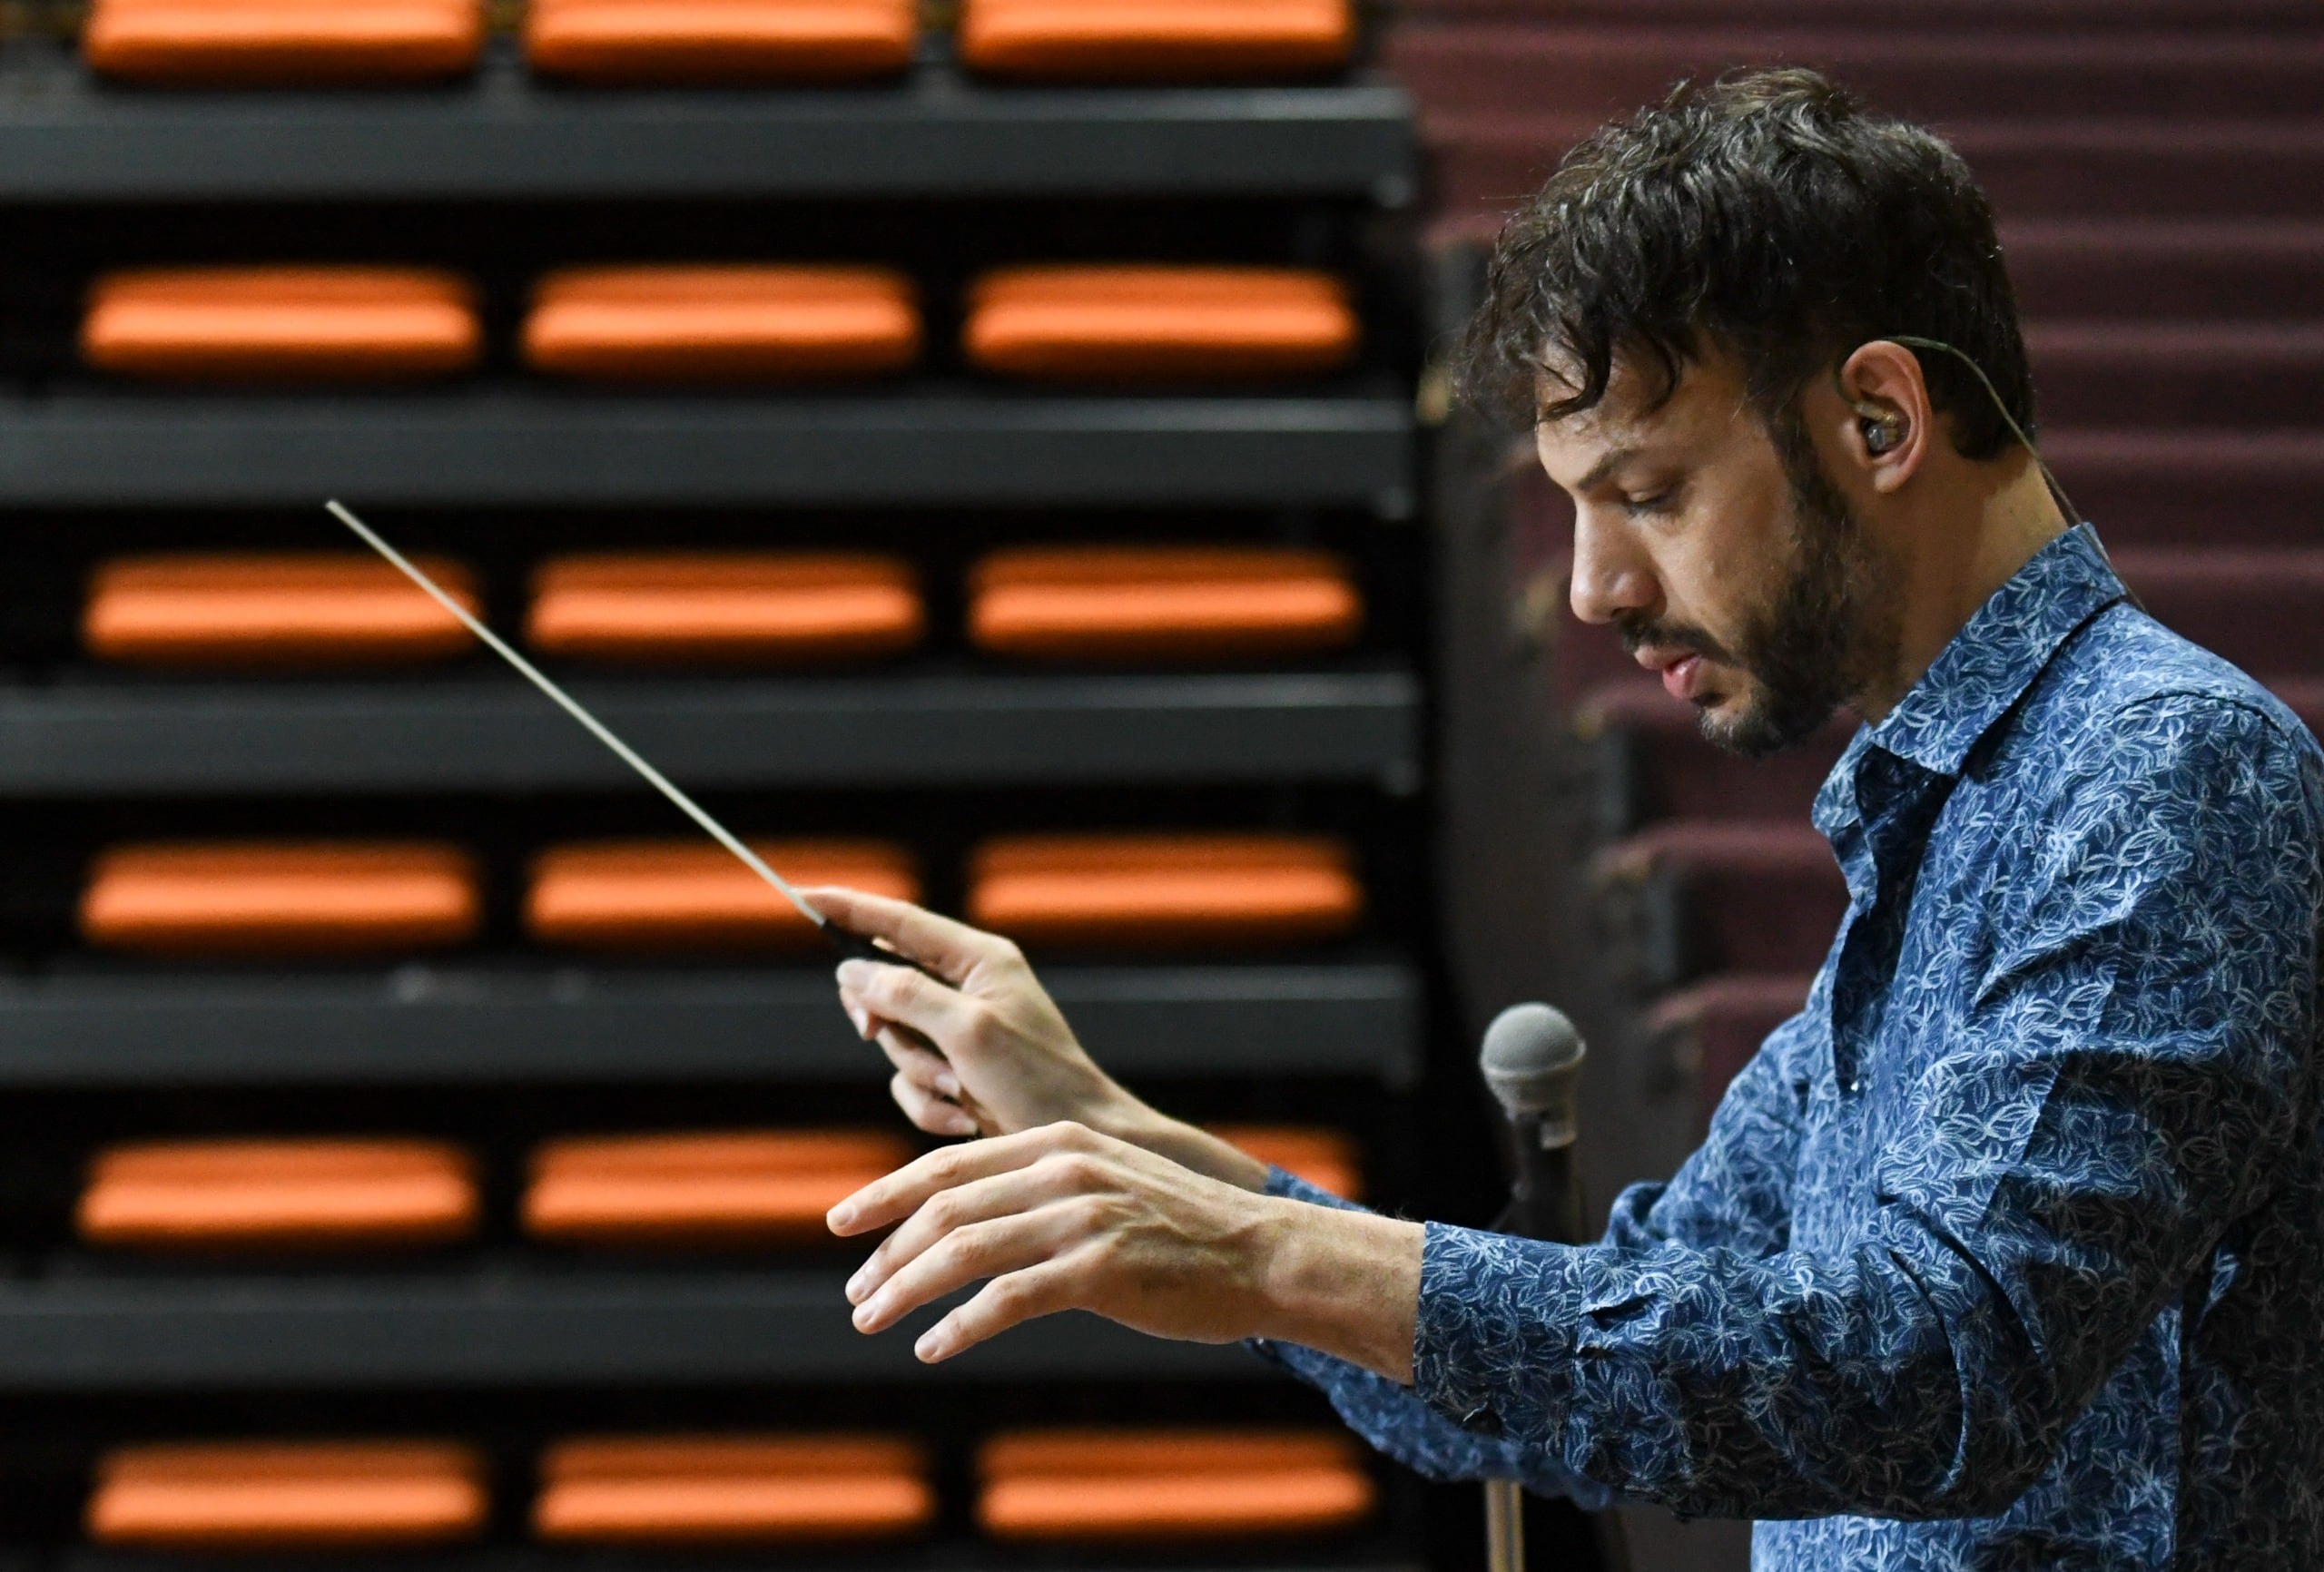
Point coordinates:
pixel 1531 1061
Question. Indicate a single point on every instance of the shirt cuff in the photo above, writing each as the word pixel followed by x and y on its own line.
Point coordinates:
pixel 1291 1187
pixel 1494 1340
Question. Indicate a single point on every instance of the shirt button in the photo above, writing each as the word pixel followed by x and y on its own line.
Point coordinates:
pixel 1855 1086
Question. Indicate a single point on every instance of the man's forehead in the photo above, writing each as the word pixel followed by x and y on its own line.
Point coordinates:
pixel 1639 413
pixel 1578 449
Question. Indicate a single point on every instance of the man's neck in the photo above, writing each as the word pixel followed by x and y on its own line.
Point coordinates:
pixel 1968 536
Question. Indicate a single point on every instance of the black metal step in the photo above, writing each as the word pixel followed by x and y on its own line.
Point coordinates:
pixel 430 1025
pixel 496 447
pixel 518 1330
pixel 494 735
pixel 65 137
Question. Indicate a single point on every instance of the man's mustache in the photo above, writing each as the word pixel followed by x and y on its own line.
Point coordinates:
pixel 1638 633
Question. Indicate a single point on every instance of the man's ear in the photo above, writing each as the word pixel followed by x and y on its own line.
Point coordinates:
pixel 1894 424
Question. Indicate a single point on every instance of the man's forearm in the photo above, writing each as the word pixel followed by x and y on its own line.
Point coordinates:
pixel 1126 1118
pixel 1345 1283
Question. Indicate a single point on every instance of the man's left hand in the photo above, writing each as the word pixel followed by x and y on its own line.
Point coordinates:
pixel 1064 1218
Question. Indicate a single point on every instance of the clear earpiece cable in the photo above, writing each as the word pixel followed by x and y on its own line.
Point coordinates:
pixel 2074 513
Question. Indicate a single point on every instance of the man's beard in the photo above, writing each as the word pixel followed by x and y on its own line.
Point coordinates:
pixel 1827 631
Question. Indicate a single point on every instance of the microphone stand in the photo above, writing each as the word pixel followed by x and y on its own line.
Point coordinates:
pixel 1533 1067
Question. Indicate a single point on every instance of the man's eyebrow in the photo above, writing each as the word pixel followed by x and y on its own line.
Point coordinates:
pixel 1604 468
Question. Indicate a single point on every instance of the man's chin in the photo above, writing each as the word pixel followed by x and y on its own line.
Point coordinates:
pixel 1746 725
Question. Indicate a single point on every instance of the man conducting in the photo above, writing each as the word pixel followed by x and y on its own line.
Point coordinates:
pixel 2006 1252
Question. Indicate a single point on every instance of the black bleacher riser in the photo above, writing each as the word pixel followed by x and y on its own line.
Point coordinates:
pixel 487 448
pixel 451 1026
pixel 493 735
pixel 501 136
pixel 500 1329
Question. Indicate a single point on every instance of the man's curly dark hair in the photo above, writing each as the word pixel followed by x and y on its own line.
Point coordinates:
pixel 1765 216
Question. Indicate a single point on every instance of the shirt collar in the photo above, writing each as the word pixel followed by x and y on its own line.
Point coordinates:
pixel 1976 679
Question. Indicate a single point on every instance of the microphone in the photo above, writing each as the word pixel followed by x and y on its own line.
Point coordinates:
pixel 1532 1062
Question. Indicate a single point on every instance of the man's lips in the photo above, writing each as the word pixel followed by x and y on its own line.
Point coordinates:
pixel 1680 670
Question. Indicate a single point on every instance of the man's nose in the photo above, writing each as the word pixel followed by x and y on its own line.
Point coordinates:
pixel 1611 577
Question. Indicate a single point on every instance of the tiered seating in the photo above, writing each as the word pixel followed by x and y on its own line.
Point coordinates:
pixel 281 899
pixel 281 324
pixel 637 41
pixel 283 43
pixel 731 1490
pixel 1137 40
pixel 734 1189
pixel 1158 324
pixel 573 1281
pixel 278 1195
pixel 1755 895
pixel 1325 1159
pixel 1152 1485
pixel 247 610
pixel 2057 125
pixel 2141 159
pixel 723 324
pixel 1164 890
pixel 2256 605
pixel 696 895
pixel 725 607
pixel 1161 603
pixel 238 1496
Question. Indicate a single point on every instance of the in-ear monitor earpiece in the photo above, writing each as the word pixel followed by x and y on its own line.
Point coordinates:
pixel 2001 405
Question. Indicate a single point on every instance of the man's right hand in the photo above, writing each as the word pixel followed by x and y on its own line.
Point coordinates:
pixel 1003 1057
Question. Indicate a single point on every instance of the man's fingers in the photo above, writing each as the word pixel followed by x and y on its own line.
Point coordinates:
pixel 920 1065
pixel 901 997
pixel 928 1111
pixel 1020 1190
pixel 979 1120
pixel 1008 1301
pixel 980 1250
pixel 893 1197
pixel 950 949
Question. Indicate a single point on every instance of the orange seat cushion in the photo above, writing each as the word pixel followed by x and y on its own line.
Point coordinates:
pixel 343 1495
pixel 282 42
pixel 735 1188
pixel 1161 603
pixel 723 324
pixel 1164 889
pixel 288 898
pixel 740 606
pixel 1325 1159
pixel 1188 40
pixel 1150 324
pixel 720 41
pixel 709 1490
pixel 281 324
pixel 1086 1484
pixel 278 1194
pixel 689 895
pixel 247 610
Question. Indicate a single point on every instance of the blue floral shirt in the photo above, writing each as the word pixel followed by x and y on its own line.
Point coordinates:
pixel 2007 1252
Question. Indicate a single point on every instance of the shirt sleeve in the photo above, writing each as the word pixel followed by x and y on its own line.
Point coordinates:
pixel 1735 1190
pixel 2133 1065
pixel 1396 1421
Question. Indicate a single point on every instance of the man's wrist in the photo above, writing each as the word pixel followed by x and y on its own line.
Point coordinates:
pixel 1345 1283
pixel 1126 1118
